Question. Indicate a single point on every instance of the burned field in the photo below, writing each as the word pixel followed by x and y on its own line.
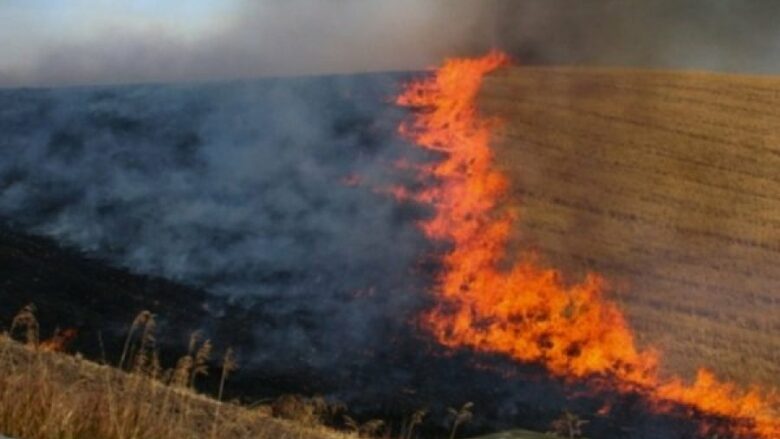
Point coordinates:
pixel 409 373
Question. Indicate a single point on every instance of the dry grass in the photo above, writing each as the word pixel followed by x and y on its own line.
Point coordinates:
pixel 50 395
pixel 47 394
pixel 669 184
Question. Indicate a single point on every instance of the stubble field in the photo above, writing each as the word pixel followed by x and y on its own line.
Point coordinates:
pixel 668 183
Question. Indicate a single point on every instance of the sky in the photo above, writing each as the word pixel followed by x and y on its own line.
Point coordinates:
pixel 35 31
pixel 62 42
pixel 32 29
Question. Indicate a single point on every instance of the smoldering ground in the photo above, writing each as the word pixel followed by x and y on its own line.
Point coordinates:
pixel 267 192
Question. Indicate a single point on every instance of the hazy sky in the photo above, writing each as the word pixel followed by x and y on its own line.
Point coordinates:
pixel 33 31
pixel 116 41
pixel 98 41
pixel 30 28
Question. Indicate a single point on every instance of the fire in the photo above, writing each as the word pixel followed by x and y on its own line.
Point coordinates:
pixel 526 311
pixel 60 341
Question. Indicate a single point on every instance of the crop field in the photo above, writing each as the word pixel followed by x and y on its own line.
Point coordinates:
pixel 667 183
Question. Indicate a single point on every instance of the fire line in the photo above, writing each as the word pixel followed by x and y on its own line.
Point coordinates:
pixel 527 312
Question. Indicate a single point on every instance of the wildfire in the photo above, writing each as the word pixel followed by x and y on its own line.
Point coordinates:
pixel 60 341
pixel 527 311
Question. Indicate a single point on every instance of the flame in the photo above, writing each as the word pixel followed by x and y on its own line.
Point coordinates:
pixel 526 311
pixel 60 341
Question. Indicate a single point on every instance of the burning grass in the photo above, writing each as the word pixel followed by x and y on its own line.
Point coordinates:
pixel 666 183
pixel 526 311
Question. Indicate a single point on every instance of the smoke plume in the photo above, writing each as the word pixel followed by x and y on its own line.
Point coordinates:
pixel 301 37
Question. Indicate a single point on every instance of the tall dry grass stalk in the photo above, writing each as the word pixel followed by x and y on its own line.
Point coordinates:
pixel 26 323
pixel 49 395
pixel 228 366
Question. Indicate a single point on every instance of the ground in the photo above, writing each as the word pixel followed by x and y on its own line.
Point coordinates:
pixel 666 183
pixel 52 395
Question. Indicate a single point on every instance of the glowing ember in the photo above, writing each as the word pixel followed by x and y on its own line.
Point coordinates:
pixel 59 341
pixel 527 311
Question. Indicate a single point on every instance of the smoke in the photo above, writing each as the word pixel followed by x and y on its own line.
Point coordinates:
pixel 246 190
pixel 721 35
pixel 263 38
pixel 301 37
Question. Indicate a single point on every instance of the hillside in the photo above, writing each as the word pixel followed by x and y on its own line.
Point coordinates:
pixel 247 210
pixel 311 307
pixel 48 394
pixel 71 290
pixel 666 183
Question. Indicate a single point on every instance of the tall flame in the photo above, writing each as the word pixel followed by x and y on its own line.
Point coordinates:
pixel 526 311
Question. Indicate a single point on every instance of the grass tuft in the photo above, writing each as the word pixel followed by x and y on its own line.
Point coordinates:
pixel 45 394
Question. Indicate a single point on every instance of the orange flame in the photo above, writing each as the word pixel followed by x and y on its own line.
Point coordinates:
pixel 526 311
pixel 60 341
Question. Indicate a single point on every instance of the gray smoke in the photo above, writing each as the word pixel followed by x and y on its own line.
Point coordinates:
pixel 268 192
pixel 721 35
pixel 294 37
